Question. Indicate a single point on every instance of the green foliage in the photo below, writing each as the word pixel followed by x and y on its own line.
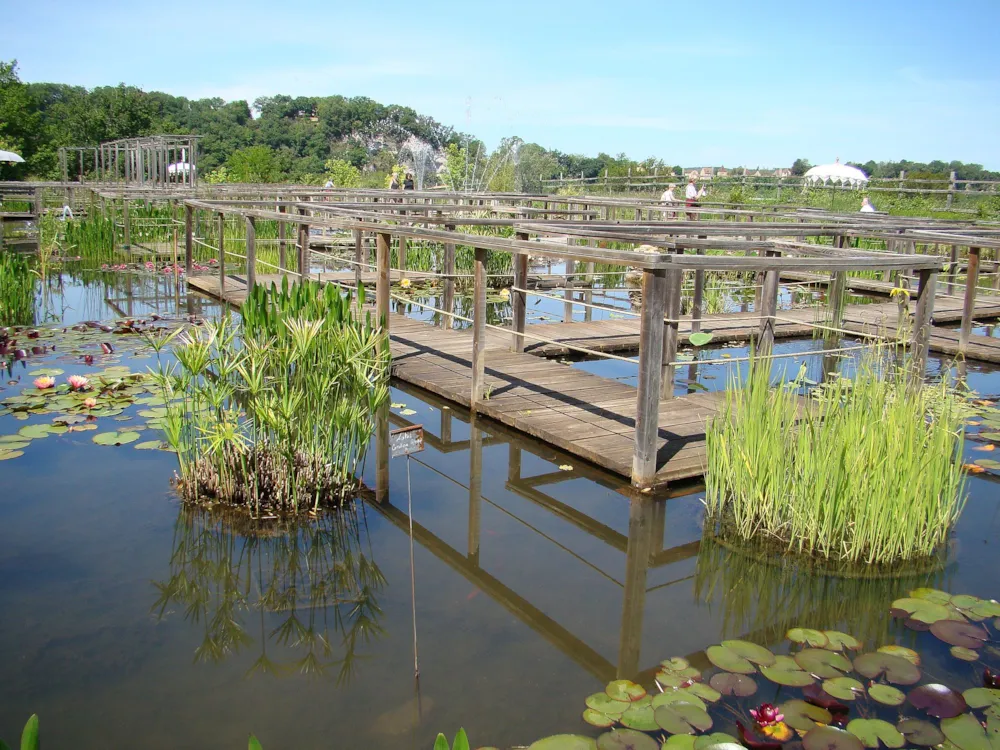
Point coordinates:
pixel 17 290
pixel 866 471
pixel 343 174
pixel 461 742
pixel 253 164
pixel 254 744
pixel 29 737
pixel 800 167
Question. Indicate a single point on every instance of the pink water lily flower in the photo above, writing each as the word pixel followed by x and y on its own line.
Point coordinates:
pixel 766 714
pixel 90 403
pixel 78 382
pixel 44 382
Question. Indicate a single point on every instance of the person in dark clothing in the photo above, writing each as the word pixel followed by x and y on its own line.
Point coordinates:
pixel 408 182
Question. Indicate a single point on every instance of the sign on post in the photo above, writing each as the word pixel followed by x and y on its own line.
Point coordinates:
pixel 406 440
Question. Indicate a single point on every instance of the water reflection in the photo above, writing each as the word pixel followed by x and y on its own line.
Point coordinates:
pixel 305 596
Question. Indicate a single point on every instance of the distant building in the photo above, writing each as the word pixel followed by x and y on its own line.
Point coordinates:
pixel 722 172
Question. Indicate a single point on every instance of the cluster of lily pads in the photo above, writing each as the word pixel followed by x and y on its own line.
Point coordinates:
pixel 825 693
pixel 986 424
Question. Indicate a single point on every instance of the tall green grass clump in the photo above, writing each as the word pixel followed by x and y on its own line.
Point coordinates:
pixel 17 291
pixel 863 471
pixel 277 420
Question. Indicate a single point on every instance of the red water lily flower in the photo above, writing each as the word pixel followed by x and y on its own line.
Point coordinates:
pixel 766 714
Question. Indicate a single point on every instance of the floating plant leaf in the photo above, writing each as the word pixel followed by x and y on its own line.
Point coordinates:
pixel 785 671
pixel 640 716
pixel 115 438
pixel 601 702
pixel 802 715
pixel 621 739
pixel 982 697
pixel 727 659
pixel 14 446
pixel 682 741
pixel 682 718
pixel 700 338
pixel 986 608
pixel 907 653
pixel 703 691
pixel 966 732
pixel 830 738
pixel 938 701
pixel 895 668
pixel 873 731
pixel 839 641
pixel 920 732
pixel 932 595
pixel 753 743
pixel 597 719
pixel 886 694
pixel 728 683
pixel 822 663
pixel 843 688
pixel 751 652
pixel 564 742
pixel 714 740
pixel 6 455
pixel 922 610
pixel 808 636
pixel 34 431
pixel 987 463
pixel 623 690
pixel 965 654
pixel 963 634
pixel 677 696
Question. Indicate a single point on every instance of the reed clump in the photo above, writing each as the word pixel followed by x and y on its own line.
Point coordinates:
pixel 864 470
pixel 17 290
pixel 275 416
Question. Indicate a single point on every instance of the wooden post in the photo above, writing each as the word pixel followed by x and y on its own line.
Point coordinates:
pixel 568 294
pixel 969 305
pixel 282 244
pixel 672 307
pixel 922 319
pixel 647 413
pixel 952 268
pixel 401 256
pixel 951 189
pixel 251 253
pixel 303 260
pixel 448 298
pixel 478 327
pixel 835 290
pixel 518 299
pixel 188 240
pixel 358 242
pixel 222 252
pixel 382 281
pixel 699 294
pixel 768 308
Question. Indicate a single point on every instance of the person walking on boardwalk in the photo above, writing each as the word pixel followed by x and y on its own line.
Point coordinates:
pixel 669 198
pixel 866 206
pixel 408 182
pixel 691 197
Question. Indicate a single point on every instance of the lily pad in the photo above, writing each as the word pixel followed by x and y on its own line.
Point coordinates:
pixel 938 701
pixel 149 445
pixel 682 741
pixel 887 695
pixel 982 697
pixel 922 610
pixel 34 431
pixel 907 653
pixel 727 659
pixel 116 438
pixel 822 663
pixel 6 455
pixel 703 691
pixel 802 715
pixel 597 719
pixel 700 338
pixel 677 696
pixel 751 652
pixel 728 683
pixel 965 654
pixel 932 595
pixel 843 688
pixel 717 740
pixel 986 608
pixel 786 671
pixel 966 732
pixel 622 739
pixel 920 732
pixel 640 716
pixel 873 731
pixel 682 718
pixel 963 634
pixel 839 641
pixel 620 690
pixel 564 742
pixel 896 669
pixel 12 446
pixel 830 738
pixel 602 702
pixel 808 636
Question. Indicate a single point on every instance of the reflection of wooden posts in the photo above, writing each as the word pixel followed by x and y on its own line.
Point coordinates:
pixel 188 240
pixel 445 428
pixel 448 296
pixel 282 244
pixel 969 304
pixel 475 488
pixel 922 318
pixel 671 331
pixel 768 309
pixel 519 300
pixel 251 253
pixel 222 251
pixel 382 453
pixel 654 287
pixel 640 546
pixel 382 280
pixel 513 462
pixel 478 327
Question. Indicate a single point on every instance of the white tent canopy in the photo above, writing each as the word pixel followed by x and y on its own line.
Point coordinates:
pixel 837 173
pixel 10 156
pixel 181 167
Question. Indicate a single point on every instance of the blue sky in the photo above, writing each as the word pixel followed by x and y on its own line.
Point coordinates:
pixel 725 82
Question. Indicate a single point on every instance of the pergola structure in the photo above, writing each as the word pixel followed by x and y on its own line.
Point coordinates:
pixel 150 161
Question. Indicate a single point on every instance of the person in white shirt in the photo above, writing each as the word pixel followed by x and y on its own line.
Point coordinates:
pixel 668 197
pixel 866 206
pixel 329 184
pixel 702 192
pixel 691 197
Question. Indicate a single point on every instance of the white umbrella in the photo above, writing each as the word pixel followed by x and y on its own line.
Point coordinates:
pixel 837 173
pixel 10 156
pixel 181 166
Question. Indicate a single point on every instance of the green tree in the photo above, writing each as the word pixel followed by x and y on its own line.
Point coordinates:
pixel 19 118
pixel 800 167
pixel 343 173
pixel 253 164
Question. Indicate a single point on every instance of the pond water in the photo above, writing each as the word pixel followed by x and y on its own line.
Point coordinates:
pixel 128 620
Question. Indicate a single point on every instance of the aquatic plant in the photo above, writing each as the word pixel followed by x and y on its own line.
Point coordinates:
pixel 820 689
pixel 17 290
pixel 29 737
pixel 279 421
pixel 461 742
pixel 865 470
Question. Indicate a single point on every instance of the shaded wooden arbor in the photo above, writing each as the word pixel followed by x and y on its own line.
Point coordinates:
pixel 150 161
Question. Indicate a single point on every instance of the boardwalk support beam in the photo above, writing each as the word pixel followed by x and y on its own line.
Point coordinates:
pixel 651 329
